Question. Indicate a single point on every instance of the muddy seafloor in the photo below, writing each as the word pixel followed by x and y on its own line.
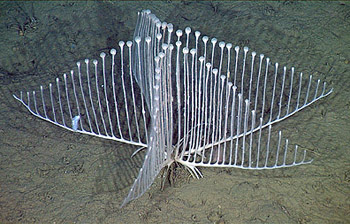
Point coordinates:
pixel 49 175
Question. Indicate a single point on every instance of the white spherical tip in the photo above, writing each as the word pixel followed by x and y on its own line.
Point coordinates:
pixel 178 43
pixel 154 18
pixel 165 46
pixel 138 39
pixel 179 33
pixel 161 55
pixel 164 25
pixel 253 54
pixel 113 51
pixel 215 71
pixel 121 43
pixel 197 34
pixel 148 39
pixel 170 28
pixel 221 44
pixel 185 50
pixel 156 59
pixel 193 51
pixel 201 58
pixel 150 15
pixel 78 63
pixel 187 30
pixel 129 43
pixel 237 48
pixel 95 62
pixel 86 61
pixel 214 40
pixel 205 39
pixel 229 46
pixel 223 77
pixel 159 36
